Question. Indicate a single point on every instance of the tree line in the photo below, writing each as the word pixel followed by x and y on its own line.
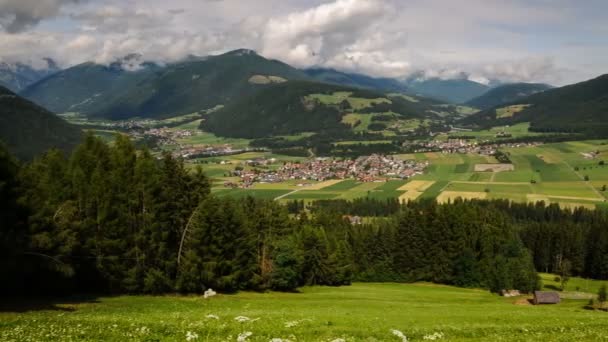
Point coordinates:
pixel 114 219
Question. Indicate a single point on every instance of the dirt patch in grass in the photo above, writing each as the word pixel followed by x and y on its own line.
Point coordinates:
pixel 494 167
pixel 523 301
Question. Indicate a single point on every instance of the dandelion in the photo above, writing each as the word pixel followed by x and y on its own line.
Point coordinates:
pixel 191 336
pixel 434 336
pixel 400 335
pixel 209 293
pixel 244 336
pixel 211 316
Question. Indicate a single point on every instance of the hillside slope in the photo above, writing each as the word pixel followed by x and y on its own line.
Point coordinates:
pixel 581 107
pixel 303 106
pixel 88 86
pixel 506 94
pixel 200 84
pixel 28 129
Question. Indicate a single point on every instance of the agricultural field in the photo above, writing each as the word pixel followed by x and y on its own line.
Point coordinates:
pixel 553 173
pixel 360 312
pixel 516 131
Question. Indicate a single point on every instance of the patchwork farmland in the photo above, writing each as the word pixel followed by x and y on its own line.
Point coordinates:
pixel 571 174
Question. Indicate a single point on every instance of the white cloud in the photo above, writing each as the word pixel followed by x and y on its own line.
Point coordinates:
pixel 477 39
pixel 19 15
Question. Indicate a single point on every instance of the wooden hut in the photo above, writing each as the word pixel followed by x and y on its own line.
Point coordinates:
pixel 546 297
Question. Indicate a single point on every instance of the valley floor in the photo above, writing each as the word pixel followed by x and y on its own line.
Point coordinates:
pixel 361 312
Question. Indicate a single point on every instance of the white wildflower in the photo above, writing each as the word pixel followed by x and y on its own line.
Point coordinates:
pixel 434 336
pixel 291 324
pixel 279 340
pixel 143 330
pixel 191 336
pixel 400 335
pixel 338 340
pixel 243 319
pixel 211 316
pixel 209 293
pixel 244 336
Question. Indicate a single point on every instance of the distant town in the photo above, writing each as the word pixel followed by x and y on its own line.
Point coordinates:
pixel 372 168
pixel 464 146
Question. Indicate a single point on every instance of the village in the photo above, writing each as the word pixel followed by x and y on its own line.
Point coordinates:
pixel 464 146
pixel 372 168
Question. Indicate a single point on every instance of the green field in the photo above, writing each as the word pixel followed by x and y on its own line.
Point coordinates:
pixel 361 312
pixel 553 173
pixel 516 131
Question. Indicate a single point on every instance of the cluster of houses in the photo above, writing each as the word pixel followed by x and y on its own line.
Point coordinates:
pixel 465 147
pixel 163 136
pixel 363 169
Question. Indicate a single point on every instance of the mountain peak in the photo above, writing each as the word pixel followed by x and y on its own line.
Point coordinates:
pixel 241 52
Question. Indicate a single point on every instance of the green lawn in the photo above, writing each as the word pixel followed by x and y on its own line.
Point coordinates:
pixel 361 312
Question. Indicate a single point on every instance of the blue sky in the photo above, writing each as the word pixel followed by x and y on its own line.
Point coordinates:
pixel 553 41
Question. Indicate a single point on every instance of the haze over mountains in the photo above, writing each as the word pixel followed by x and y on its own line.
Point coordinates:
pixel 17 76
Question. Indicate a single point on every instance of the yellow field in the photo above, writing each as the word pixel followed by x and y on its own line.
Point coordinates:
pixel 507 112
pixel 410 195
pixel 324 184
pixel 416 185
pixel 446 196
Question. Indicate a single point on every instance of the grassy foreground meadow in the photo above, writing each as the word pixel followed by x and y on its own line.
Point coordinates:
pixel 361 312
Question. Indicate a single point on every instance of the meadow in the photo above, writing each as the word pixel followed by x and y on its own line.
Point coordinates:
pixel 360 312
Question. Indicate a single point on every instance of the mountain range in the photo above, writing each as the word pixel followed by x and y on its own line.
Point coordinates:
pixel 29 130
pixel 458 90
pixel 17 76
pixel 130 87
pixel 355 80
pixel 263 97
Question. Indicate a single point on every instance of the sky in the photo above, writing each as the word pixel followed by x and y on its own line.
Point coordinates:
pixel 552 41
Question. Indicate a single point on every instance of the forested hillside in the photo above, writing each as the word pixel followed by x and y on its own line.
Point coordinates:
pixel 86 87
pixel 115 220
pixel 302 106
pixel 28 129
pixel 154 91
pixel 581 107
pixel 281 109
pixel 506 94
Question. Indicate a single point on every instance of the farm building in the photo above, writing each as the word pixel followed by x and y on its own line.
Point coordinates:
pixel 546 297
